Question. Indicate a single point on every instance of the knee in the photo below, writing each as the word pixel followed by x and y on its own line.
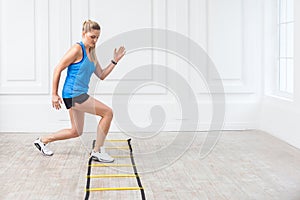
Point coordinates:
pixel 76 133
pixel 108 113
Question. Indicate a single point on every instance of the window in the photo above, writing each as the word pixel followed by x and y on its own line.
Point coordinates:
pixel 285 83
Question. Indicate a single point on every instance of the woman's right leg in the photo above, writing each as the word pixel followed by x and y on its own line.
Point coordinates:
pixel 93 106
pixel 77 121
pixel 96 107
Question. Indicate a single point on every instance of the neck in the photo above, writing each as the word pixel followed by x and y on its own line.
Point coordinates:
pixel 87 48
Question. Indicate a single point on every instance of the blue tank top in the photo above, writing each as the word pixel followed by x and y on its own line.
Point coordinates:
pixel 78 76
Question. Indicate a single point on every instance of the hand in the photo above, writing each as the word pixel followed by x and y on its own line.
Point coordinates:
pixel 56 101
pixel 118 54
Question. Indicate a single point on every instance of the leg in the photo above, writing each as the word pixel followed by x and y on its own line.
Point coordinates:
pixel 77 121
pixel 95 107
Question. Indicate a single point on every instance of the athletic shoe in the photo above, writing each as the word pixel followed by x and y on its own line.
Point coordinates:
pixel 102 156
pixel 42 147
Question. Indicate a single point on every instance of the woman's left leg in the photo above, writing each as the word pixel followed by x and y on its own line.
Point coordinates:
pixel 77 121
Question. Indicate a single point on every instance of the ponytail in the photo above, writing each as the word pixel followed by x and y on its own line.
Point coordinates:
pixel 88 26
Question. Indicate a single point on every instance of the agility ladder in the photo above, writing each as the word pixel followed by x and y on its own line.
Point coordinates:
pixel 136 175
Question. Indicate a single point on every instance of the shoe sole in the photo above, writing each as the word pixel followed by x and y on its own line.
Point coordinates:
pixel 40 149
pixel 103 161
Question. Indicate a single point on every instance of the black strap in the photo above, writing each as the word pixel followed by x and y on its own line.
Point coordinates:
pixel 114 62
pixel 135 172
pixel 88 180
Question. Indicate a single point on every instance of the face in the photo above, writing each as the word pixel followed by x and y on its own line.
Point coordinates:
pixel 90 38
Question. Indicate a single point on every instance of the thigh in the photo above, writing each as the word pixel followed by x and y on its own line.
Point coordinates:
pixel 77 119
pixel 93 106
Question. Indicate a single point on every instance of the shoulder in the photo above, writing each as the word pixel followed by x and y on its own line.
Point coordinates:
pixel 75 50
pixel 76 47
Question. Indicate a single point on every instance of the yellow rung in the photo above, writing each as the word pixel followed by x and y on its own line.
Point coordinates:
pixel 108 189
pixel 112 176
pixel 117 156
pixel 111 165
pixel 121 156
pixel 124 147
pixel 116 140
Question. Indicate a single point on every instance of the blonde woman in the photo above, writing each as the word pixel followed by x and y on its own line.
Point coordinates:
pixel 82 62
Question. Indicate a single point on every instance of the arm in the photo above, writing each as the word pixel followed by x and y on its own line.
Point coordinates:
pixel 71 56
pixel 103 73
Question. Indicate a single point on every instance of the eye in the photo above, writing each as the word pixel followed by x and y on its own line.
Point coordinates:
pixel 93 36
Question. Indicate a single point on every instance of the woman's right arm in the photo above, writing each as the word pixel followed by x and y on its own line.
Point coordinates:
pixel 70 57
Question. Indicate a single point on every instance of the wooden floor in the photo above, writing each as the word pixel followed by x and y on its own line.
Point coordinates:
pixel 244 165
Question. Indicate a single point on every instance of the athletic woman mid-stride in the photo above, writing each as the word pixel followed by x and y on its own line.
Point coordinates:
pixel 82 62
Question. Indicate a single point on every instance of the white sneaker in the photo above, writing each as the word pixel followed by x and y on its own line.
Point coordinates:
pixel 102 156
pixel 42 147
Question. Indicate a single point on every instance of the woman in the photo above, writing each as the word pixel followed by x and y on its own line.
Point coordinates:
pixel 81 62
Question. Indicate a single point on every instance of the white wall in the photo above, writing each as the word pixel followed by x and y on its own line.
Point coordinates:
pixel 280 116
pixel 35 34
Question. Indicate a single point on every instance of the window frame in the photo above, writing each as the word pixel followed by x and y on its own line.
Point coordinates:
pixel 288 21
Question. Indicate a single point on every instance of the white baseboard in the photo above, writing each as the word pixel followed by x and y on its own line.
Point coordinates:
pixel 43 118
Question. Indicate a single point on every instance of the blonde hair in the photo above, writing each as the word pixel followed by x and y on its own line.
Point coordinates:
pixel 88 26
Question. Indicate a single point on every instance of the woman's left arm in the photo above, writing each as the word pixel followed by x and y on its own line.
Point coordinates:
pixel 103 73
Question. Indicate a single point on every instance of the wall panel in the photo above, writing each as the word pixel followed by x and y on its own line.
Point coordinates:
pixel 41 31
pixel 24 47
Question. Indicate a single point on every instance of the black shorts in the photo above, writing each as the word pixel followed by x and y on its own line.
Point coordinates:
pixel 69 102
